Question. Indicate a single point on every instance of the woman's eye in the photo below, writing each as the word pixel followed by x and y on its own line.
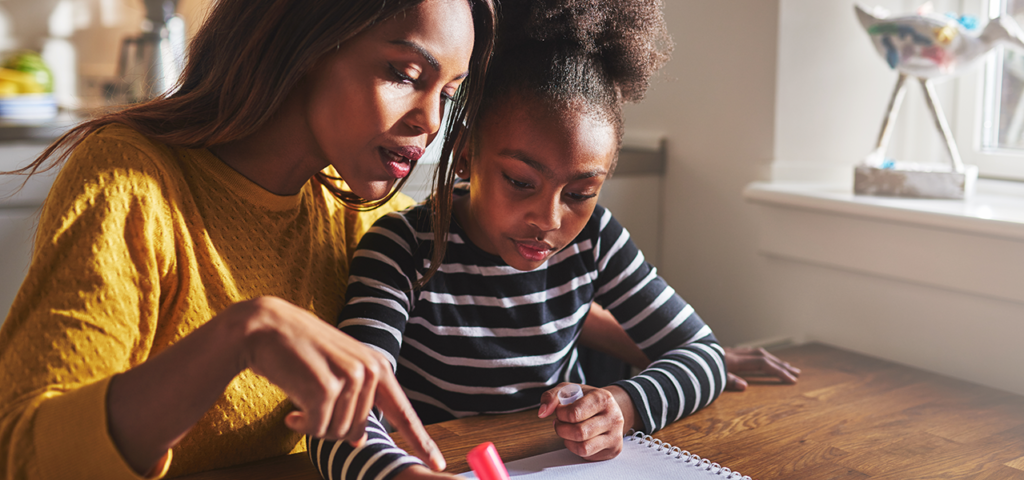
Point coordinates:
pixel 401 76
pixel 517 183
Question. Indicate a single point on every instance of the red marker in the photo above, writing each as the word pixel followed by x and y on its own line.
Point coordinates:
pixel 486 463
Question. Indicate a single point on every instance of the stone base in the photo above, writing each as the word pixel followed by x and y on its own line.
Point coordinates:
pixel 914 181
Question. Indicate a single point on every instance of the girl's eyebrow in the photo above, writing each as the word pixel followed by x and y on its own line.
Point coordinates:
pixel 543 169
pixel 427 56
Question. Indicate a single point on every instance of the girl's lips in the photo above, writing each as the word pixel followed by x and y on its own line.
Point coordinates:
pixel 533 251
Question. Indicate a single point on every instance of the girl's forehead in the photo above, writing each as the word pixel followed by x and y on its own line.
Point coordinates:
pixel 558 139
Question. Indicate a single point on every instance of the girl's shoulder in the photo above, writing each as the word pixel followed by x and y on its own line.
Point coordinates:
pixel 599 221
pixel 410 221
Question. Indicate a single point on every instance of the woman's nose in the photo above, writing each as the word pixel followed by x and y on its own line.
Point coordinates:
pixel 427 113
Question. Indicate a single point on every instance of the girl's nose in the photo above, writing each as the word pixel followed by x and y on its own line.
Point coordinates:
pixel 546 213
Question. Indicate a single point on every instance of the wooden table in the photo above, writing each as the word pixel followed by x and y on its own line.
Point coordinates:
pixel 849 417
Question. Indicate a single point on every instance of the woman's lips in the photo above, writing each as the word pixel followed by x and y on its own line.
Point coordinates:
pixel 412 152
pixel 399 160
pixel 533 251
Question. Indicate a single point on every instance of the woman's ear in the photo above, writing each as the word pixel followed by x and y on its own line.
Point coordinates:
pixel 462 166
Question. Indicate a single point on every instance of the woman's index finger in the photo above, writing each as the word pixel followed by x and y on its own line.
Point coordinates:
pixel 399 412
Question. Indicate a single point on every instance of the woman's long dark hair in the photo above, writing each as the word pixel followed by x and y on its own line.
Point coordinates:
pixel 245 60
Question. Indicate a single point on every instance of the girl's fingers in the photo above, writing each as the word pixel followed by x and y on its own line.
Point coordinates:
pixel 778 370
pixel 594 402
pixel 589 429
pixel 735 383
pixel 603 447
pixel 549 400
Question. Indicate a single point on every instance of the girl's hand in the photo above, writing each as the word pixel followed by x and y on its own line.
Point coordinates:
pixel 757 362
pixel 333 379
pixel 592 426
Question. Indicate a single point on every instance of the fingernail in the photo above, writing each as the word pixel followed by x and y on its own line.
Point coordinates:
pixel 439 461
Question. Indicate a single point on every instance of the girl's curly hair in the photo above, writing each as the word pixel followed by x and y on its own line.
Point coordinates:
pixel 596 54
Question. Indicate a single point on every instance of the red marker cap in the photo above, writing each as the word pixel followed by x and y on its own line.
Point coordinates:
pixel 486 463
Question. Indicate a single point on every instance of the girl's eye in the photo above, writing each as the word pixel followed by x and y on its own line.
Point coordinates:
pixel 580 197
pixel 516 183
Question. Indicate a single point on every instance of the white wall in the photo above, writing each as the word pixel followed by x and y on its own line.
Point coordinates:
pixel 831 95
pixel 792 90
pixel 833 89
pixel 715 104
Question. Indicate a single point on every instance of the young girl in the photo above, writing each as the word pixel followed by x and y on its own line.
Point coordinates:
pixel 192 245
pixel 495 329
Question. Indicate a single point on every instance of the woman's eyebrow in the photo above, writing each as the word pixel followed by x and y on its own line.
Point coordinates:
pixel 427 56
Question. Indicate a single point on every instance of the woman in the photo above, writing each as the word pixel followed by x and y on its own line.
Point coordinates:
pixel 191 245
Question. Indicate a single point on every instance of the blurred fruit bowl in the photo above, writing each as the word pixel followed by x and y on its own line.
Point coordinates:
pixel 26 87
pixel 28 108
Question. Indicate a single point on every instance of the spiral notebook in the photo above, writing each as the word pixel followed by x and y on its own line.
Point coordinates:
pixel 643 456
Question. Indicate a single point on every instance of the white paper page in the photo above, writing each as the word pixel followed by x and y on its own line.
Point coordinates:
pixel 637 460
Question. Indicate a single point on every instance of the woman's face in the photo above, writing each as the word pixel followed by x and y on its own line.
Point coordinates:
pixel 534 179
pixel 374 104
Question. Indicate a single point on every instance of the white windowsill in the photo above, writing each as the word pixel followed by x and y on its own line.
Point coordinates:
pixel 996 208
pixel 974 247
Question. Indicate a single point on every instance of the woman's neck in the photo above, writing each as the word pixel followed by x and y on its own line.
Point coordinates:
pixel 281 156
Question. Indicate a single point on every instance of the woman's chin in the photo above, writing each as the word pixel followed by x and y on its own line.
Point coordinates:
pixel 373 190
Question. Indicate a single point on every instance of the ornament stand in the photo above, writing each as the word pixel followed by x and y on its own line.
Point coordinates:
pixel 878 176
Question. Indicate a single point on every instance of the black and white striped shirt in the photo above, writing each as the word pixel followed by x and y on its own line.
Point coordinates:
pixel 483 337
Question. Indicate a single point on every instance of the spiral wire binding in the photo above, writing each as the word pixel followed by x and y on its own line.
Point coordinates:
pixel 691 459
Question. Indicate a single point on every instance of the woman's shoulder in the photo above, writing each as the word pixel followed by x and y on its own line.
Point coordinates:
pixel 115 163
pixel 119 153
pixel 117 143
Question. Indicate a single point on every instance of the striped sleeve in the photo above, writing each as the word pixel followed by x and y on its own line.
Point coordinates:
pixel 688 372
pixel 377 459
pixel 379 299
pixel 379 296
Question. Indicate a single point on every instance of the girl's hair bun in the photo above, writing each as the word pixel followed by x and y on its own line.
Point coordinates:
pixel 627 39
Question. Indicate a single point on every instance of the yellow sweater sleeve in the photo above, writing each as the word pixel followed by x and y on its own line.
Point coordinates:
pixel 87 310
pixel 136 247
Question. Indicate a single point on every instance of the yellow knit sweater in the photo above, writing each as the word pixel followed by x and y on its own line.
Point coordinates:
pixel 138 245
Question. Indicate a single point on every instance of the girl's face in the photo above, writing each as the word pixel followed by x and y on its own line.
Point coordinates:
pixel 373 105
pixel 534 179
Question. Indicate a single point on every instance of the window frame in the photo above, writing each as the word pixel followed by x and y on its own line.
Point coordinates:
pixel 973 92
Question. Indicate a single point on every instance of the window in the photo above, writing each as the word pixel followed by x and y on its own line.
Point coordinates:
pixel 990 130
